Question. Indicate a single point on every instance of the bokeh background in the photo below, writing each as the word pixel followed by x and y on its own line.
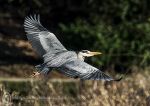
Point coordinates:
pixel 120 29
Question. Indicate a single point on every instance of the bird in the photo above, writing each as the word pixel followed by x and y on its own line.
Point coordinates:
pixel 57 57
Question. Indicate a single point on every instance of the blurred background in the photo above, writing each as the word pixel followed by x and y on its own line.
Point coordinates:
pixel 120 29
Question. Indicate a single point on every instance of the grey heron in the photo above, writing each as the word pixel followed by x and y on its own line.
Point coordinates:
pixel 56 56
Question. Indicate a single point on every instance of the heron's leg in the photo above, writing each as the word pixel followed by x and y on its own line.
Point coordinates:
pixel 38 70
pixel 35 74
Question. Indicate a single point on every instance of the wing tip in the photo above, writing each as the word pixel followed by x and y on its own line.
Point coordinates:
pixel 35 18
pixel 32 24
pixel 119 79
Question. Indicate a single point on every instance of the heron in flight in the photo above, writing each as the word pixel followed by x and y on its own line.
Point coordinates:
pixel 56 56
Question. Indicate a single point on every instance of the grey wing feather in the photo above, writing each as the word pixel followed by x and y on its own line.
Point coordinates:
pixel 41 39
pixel 84 71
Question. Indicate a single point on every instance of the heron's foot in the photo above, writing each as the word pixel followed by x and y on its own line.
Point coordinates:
pixel 35 74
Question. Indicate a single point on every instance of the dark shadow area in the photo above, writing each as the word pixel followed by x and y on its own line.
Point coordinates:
pixel 119 29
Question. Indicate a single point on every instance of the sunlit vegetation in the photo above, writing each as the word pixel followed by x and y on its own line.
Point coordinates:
pixel 134 90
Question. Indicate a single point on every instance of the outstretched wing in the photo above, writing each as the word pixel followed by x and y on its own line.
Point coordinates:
pixel 40 38
pixel 82 70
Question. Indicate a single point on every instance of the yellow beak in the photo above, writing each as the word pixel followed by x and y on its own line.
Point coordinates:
pixel 95 53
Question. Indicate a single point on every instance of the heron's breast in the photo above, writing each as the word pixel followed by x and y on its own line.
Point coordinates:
pixel 59 59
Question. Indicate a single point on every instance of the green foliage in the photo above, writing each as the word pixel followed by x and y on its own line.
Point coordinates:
pixel 121 31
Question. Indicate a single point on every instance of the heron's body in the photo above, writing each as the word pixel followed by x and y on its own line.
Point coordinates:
pixel 56 56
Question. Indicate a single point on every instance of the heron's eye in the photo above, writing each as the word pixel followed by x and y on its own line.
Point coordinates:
pixel 85 51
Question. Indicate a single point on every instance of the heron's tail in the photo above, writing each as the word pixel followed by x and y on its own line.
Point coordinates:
pixel 42 68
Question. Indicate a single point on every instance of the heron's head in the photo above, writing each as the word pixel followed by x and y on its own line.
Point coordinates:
pixel 87 53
